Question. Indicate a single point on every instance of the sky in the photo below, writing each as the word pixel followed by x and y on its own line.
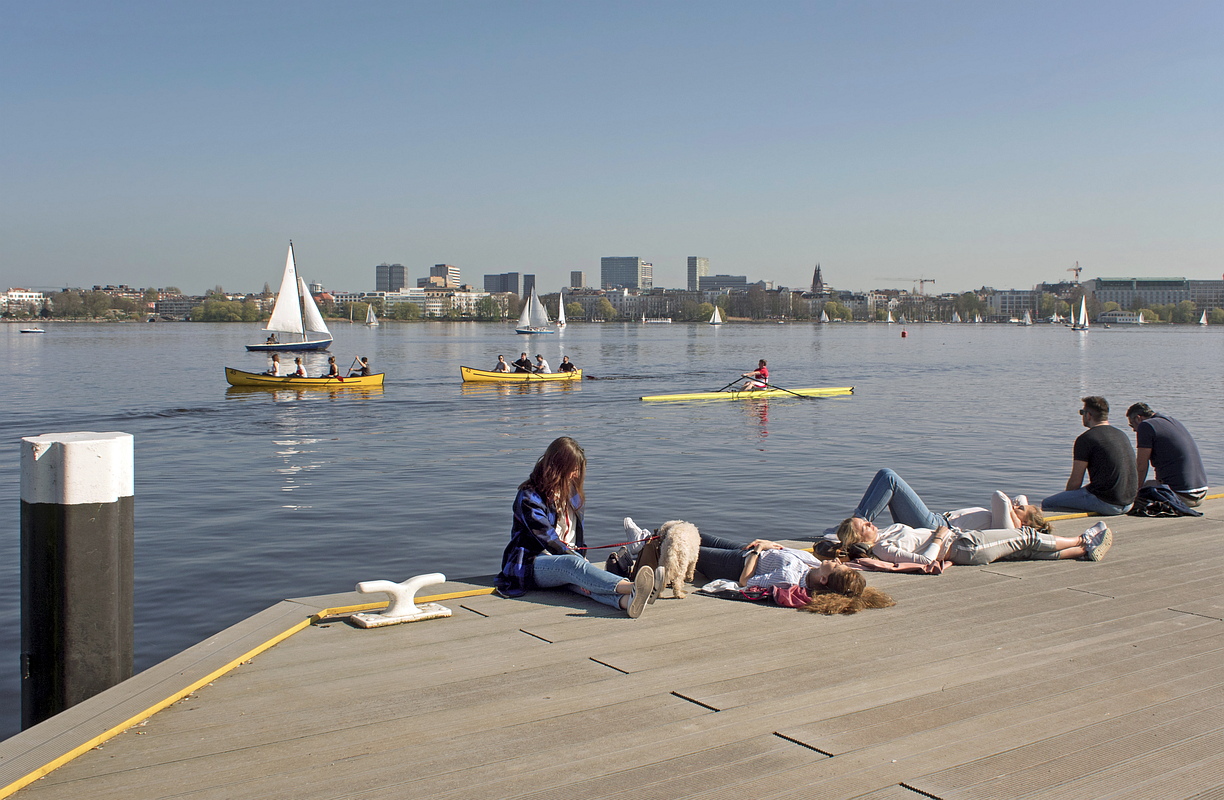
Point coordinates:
pixel 970 143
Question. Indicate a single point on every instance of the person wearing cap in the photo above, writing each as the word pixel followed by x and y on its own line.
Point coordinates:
pixel 1168 447
pixel 1106 455
pixel 541 365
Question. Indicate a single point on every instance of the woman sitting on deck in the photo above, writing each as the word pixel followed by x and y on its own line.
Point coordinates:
pixel 919 536
pixel 832 587
pixel 546 536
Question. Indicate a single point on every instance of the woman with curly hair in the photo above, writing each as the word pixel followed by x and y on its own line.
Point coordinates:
pixel 546 537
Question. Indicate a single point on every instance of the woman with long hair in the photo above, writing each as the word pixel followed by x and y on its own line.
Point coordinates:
pixel 920 536
pixel 546 537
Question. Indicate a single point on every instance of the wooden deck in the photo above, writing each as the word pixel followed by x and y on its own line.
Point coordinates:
pixel 1026 679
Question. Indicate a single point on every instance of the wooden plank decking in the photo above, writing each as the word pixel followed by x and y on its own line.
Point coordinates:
pixel 1024 679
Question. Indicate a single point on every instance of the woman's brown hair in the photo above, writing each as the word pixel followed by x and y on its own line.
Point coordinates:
pixel 844 592
pixel 559 474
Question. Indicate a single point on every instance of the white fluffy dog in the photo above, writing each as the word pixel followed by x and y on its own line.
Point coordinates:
pixel 678 554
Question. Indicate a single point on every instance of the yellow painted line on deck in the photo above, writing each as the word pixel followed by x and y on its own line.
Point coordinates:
pixel 49 767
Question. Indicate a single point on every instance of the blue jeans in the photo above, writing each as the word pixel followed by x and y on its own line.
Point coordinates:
pixel 1082 500
pixel 887 490
pixel 578 575
pixel 721 558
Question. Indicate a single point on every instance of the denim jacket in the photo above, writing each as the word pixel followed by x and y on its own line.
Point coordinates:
pixel 533 531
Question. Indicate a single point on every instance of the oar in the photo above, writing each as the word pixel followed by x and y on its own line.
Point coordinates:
pixel 788 391
pixel 729 385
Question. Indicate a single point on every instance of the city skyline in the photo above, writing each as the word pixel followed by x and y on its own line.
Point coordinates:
pixel 975 145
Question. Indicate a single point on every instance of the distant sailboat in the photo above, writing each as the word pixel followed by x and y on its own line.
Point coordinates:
pixel 955 317
pixel 902 320
pixel 1140 320
pixel 295 315
pixel 824 317
pixel 534 318
pixel 1203 319
pixel 890 320
pixel 1028 318
pixel 371 318
pixel 977 318
pixel 716 318
pixel 561 311
pixel 1081 322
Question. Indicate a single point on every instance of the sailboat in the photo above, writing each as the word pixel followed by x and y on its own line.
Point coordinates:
pixel 295 316
pixel 534 318
pixel 956 317
pixel 561 311
pixel 890 320
pixel 1028 318
pixel 1203 319
pixel 371 318
pixel 977 318
pixel 1081 322
pixel 716 318
pixel 824 316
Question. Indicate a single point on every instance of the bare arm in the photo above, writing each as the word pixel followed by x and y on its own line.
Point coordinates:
pixel 1143 457
pixel 749 567
pixel 1077 475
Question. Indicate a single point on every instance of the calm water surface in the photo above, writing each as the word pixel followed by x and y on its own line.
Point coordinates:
pixel 246 498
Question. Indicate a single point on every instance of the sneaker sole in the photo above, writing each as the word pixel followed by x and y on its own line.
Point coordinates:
pixel 643 586
pixel 659 586
pixel 1098 552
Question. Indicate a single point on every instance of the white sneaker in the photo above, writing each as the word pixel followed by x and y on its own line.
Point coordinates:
pixel 1097 541
pixel 635 536
pixel 660 575
pixel 1021 500
pixel 643 587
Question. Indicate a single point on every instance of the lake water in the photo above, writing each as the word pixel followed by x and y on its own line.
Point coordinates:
pixel 244 498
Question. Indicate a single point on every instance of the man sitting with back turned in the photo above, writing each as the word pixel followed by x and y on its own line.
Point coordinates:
pixel 1106 454
pixel 1168 446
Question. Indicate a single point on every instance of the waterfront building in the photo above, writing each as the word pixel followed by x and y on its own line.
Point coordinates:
pixel 178 307
pixel 577 279
pixel 16 300
pixel 503 283
pixel 719 283
pixel 1142 292
pixel 529 283
pixel 390 277
pixel 625 272
pixel 1012 303
pixel 698 268
pixel 447 273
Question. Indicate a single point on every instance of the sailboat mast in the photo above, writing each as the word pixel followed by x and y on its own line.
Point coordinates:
pixel 301 300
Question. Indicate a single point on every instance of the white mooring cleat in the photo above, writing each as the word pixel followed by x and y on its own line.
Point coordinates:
pixel 403 607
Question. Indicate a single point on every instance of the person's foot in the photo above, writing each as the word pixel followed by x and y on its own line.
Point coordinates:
pixel 1097 541
pixel 643 587
pixel 660 575
pixel 635 536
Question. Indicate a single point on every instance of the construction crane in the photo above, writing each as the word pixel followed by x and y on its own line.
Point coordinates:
pixel 1077 269
pixel 919 282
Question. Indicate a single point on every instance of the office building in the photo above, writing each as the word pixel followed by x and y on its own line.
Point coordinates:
pixel 528 285
pixel 625 272
pixel 577 279
pixel 718 283
pixel 698 268
pixel 390 277
pixel 507 282
pixel 448 272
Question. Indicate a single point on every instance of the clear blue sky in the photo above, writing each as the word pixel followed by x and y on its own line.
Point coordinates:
pixel 178 143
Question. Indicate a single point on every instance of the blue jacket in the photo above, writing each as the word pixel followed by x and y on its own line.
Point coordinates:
pixel 533 531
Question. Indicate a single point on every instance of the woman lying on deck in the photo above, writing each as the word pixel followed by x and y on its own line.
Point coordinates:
pixel 920 536
pixel 832 587
pixel 546 536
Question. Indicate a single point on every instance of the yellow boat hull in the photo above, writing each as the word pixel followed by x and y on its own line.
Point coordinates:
pixel 237 377
pixel 472 375
pixel 760 394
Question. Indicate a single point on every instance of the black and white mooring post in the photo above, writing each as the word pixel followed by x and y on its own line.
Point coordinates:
pixel 77 521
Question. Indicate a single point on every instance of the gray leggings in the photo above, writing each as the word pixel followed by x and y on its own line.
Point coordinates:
pixel 975 548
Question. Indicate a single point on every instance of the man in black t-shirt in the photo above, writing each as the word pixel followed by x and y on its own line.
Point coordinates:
pixel 1166 444
pixel 1106 455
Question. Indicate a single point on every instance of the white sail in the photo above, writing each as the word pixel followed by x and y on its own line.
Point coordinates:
pixel 371 317
pixel 534 318
pixel 561 310
pixel 1203 319
pixel 310 311
pixel 287 311
pixel 890 319
pixel 955 317
pixel 524 319
pixel 716 318
pixel 824 317
pixel 1081 322
pixel 1028 318
pixel 977 317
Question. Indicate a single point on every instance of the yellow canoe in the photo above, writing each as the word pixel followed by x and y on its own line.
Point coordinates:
pixel 237 377
pixel 473 375
pixel 759 394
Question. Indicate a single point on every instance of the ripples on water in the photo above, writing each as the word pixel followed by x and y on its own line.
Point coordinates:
pixel 247 497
